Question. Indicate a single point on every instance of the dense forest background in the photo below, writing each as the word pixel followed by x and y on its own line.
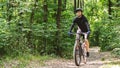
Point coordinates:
pixel 41 26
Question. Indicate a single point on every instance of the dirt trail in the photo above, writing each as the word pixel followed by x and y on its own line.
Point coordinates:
pixel 96 60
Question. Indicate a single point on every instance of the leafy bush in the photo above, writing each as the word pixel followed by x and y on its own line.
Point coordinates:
pixel 18 35
pixel 116 52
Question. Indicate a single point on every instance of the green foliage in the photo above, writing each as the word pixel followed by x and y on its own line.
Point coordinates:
pixel 105 31
pixel 23 61
pixel 116 52
pixel 19 35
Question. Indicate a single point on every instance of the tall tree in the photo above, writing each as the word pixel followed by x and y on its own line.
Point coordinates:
pixel 31 22
pixel 74 5
pixel 9 16
pixel 45 20
pixel 58 20
pixel 78 5
pixel 83 3
pixel 55 3
pixel 109 8
pixel 45 8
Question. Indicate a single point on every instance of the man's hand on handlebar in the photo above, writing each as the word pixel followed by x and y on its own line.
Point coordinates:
pixel 70 33
pixel 84 32
pixel 88 32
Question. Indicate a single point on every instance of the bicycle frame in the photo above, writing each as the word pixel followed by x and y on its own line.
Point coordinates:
pixel 81 48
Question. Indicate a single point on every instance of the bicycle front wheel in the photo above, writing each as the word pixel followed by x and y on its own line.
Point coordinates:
pixel 84 54
pixel 77 55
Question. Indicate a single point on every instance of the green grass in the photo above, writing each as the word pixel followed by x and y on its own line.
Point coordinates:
pixel 23 61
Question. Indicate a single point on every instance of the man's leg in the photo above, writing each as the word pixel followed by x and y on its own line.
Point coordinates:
pixel 77 38
pixel 87 44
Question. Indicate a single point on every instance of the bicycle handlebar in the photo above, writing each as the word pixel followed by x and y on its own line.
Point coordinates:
pixel 78 33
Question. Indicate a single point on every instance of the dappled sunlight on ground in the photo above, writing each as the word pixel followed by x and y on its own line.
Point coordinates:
pixel 97 59
pixel 110 66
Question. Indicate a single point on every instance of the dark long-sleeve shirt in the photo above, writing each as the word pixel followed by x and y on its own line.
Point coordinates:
pixel 82 23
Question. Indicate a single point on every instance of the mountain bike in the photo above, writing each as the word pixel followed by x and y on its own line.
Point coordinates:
pixel 79 51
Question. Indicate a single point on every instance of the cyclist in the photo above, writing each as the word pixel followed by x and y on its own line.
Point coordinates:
pixel 83 26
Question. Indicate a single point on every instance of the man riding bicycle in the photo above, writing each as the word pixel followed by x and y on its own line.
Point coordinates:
pixel 83 26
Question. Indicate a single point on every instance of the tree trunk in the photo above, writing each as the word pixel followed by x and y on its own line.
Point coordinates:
pixel 55 3
pixel 83 4
pixel 31 22
pixel 78 5
pixel 59 13
pixel 109 8
pixel 74 5
pixel 45 20
pixel 9 16
pixel 45 11
pixel 58 20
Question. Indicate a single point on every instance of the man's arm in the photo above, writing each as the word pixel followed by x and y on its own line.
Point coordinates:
pixel 72 26
pixel 87 24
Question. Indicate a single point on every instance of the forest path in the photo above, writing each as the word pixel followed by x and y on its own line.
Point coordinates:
pixel 96 60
